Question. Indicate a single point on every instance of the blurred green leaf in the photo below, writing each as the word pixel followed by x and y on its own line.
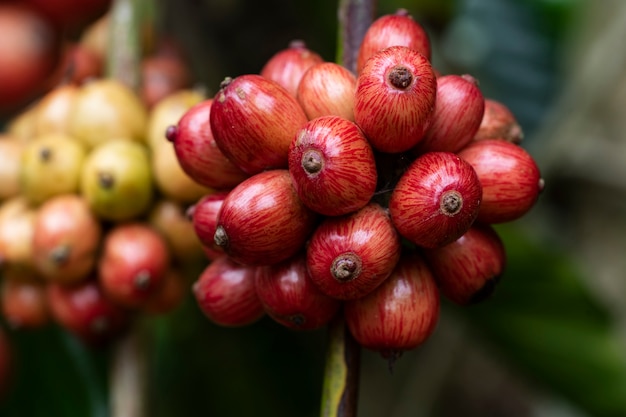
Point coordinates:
pixel 545 319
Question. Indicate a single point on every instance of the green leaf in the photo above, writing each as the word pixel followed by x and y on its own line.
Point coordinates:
pixel 545 319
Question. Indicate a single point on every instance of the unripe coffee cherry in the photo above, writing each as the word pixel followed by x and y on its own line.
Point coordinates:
pixel 286 67
pixel 468 269
pixel 499 123
pixel 253 120
pixel 327 89
pixel 458 113
pixel 395 97
pixel 400 314
pixel 436 200
pixel 262 221
pixel 198 154
pixel 226 294
pixel 332 166
pixel 390 30
pixel 348 256
pixel 510 179
pixel 290 298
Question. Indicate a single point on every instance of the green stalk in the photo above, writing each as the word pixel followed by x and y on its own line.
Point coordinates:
pixel 124 50
pixel 341 376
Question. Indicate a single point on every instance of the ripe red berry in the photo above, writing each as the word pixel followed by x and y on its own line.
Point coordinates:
pixel 401 313
pixel 287 66
pixel 348 256
pixel 458 112
pixel 198 154
pixel 226 294
pixel 332 166
pixel 84 310
pixel 499 123
pixel 133 263
pixel 394 99
pixel 390 30
pixel 262 221
pixel 436 200
pixel 290 298
pixel 327 89
pixel 253 120
pixel 24 303
pixel 468 269
pixel 510 179
pixel 203 216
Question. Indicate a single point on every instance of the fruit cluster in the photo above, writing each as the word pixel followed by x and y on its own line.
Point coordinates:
pixel 93 225
pixel 367 193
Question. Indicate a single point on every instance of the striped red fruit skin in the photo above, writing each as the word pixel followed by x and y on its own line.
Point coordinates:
pixel 401 313
pixel 253 120
pixel 458 113
pixel 436 200
pixel 395 99
pixel 287 66
pixel 204 216
pixel 263 221
pixel 327 89
pixel 468 269
pixel 399 28
pixel 510 178
pixel 290 298
pixel 226 294
pixel 332 166
pixel 499 122
pixel 348 256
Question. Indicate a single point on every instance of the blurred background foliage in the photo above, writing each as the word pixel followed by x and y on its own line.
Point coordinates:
pixel 550 342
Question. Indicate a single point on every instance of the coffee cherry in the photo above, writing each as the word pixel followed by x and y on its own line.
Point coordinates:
pixel 226 294
pixel 468 269
pixel 204 215
pixel 51 165
pixel 332 166
pixel 510 179
pixel 196 150
pixel 290 298
pixel 395 98
pixel 390 30
pixel 253 120
pixel 286 67
pixel 11 150
pixel 400 314
pixel 458 113
pixel 327 89
pixel 66 239
pixel 52 112
pixel 85 311
pixel 348 256
pixel 436 200
pixel 24 303
pixel 17 225
pixel 133 263
pixel 262 221
pixel 499 122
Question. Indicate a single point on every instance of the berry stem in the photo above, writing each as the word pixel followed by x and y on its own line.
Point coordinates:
pixel 355 17
pixel 128 376
pixel 341 375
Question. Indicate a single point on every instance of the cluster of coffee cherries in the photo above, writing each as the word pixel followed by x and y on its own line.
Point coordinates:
pixel 368 194
pixel 93 225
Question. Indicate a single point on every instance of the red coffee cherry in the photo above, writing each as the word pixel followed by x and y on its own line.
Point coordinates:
pixel 226 294
pixel 348 256
pixel 262 221
pixel 332 166
pixel 468 269
pixel 390 30
pixel 510 179
pixel 395 98
pixel 327 89
pixel 24 303
pixel 499 123
pixel 253 120
pixel 400 314
pixel 204 216
pixel 290 298
pixel 436 200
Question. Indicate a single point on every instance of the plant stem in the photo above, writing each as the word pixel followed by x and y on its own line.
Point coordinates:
pixel 355 16
pixel 124 49
pixel 341 376
pixel 128 376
